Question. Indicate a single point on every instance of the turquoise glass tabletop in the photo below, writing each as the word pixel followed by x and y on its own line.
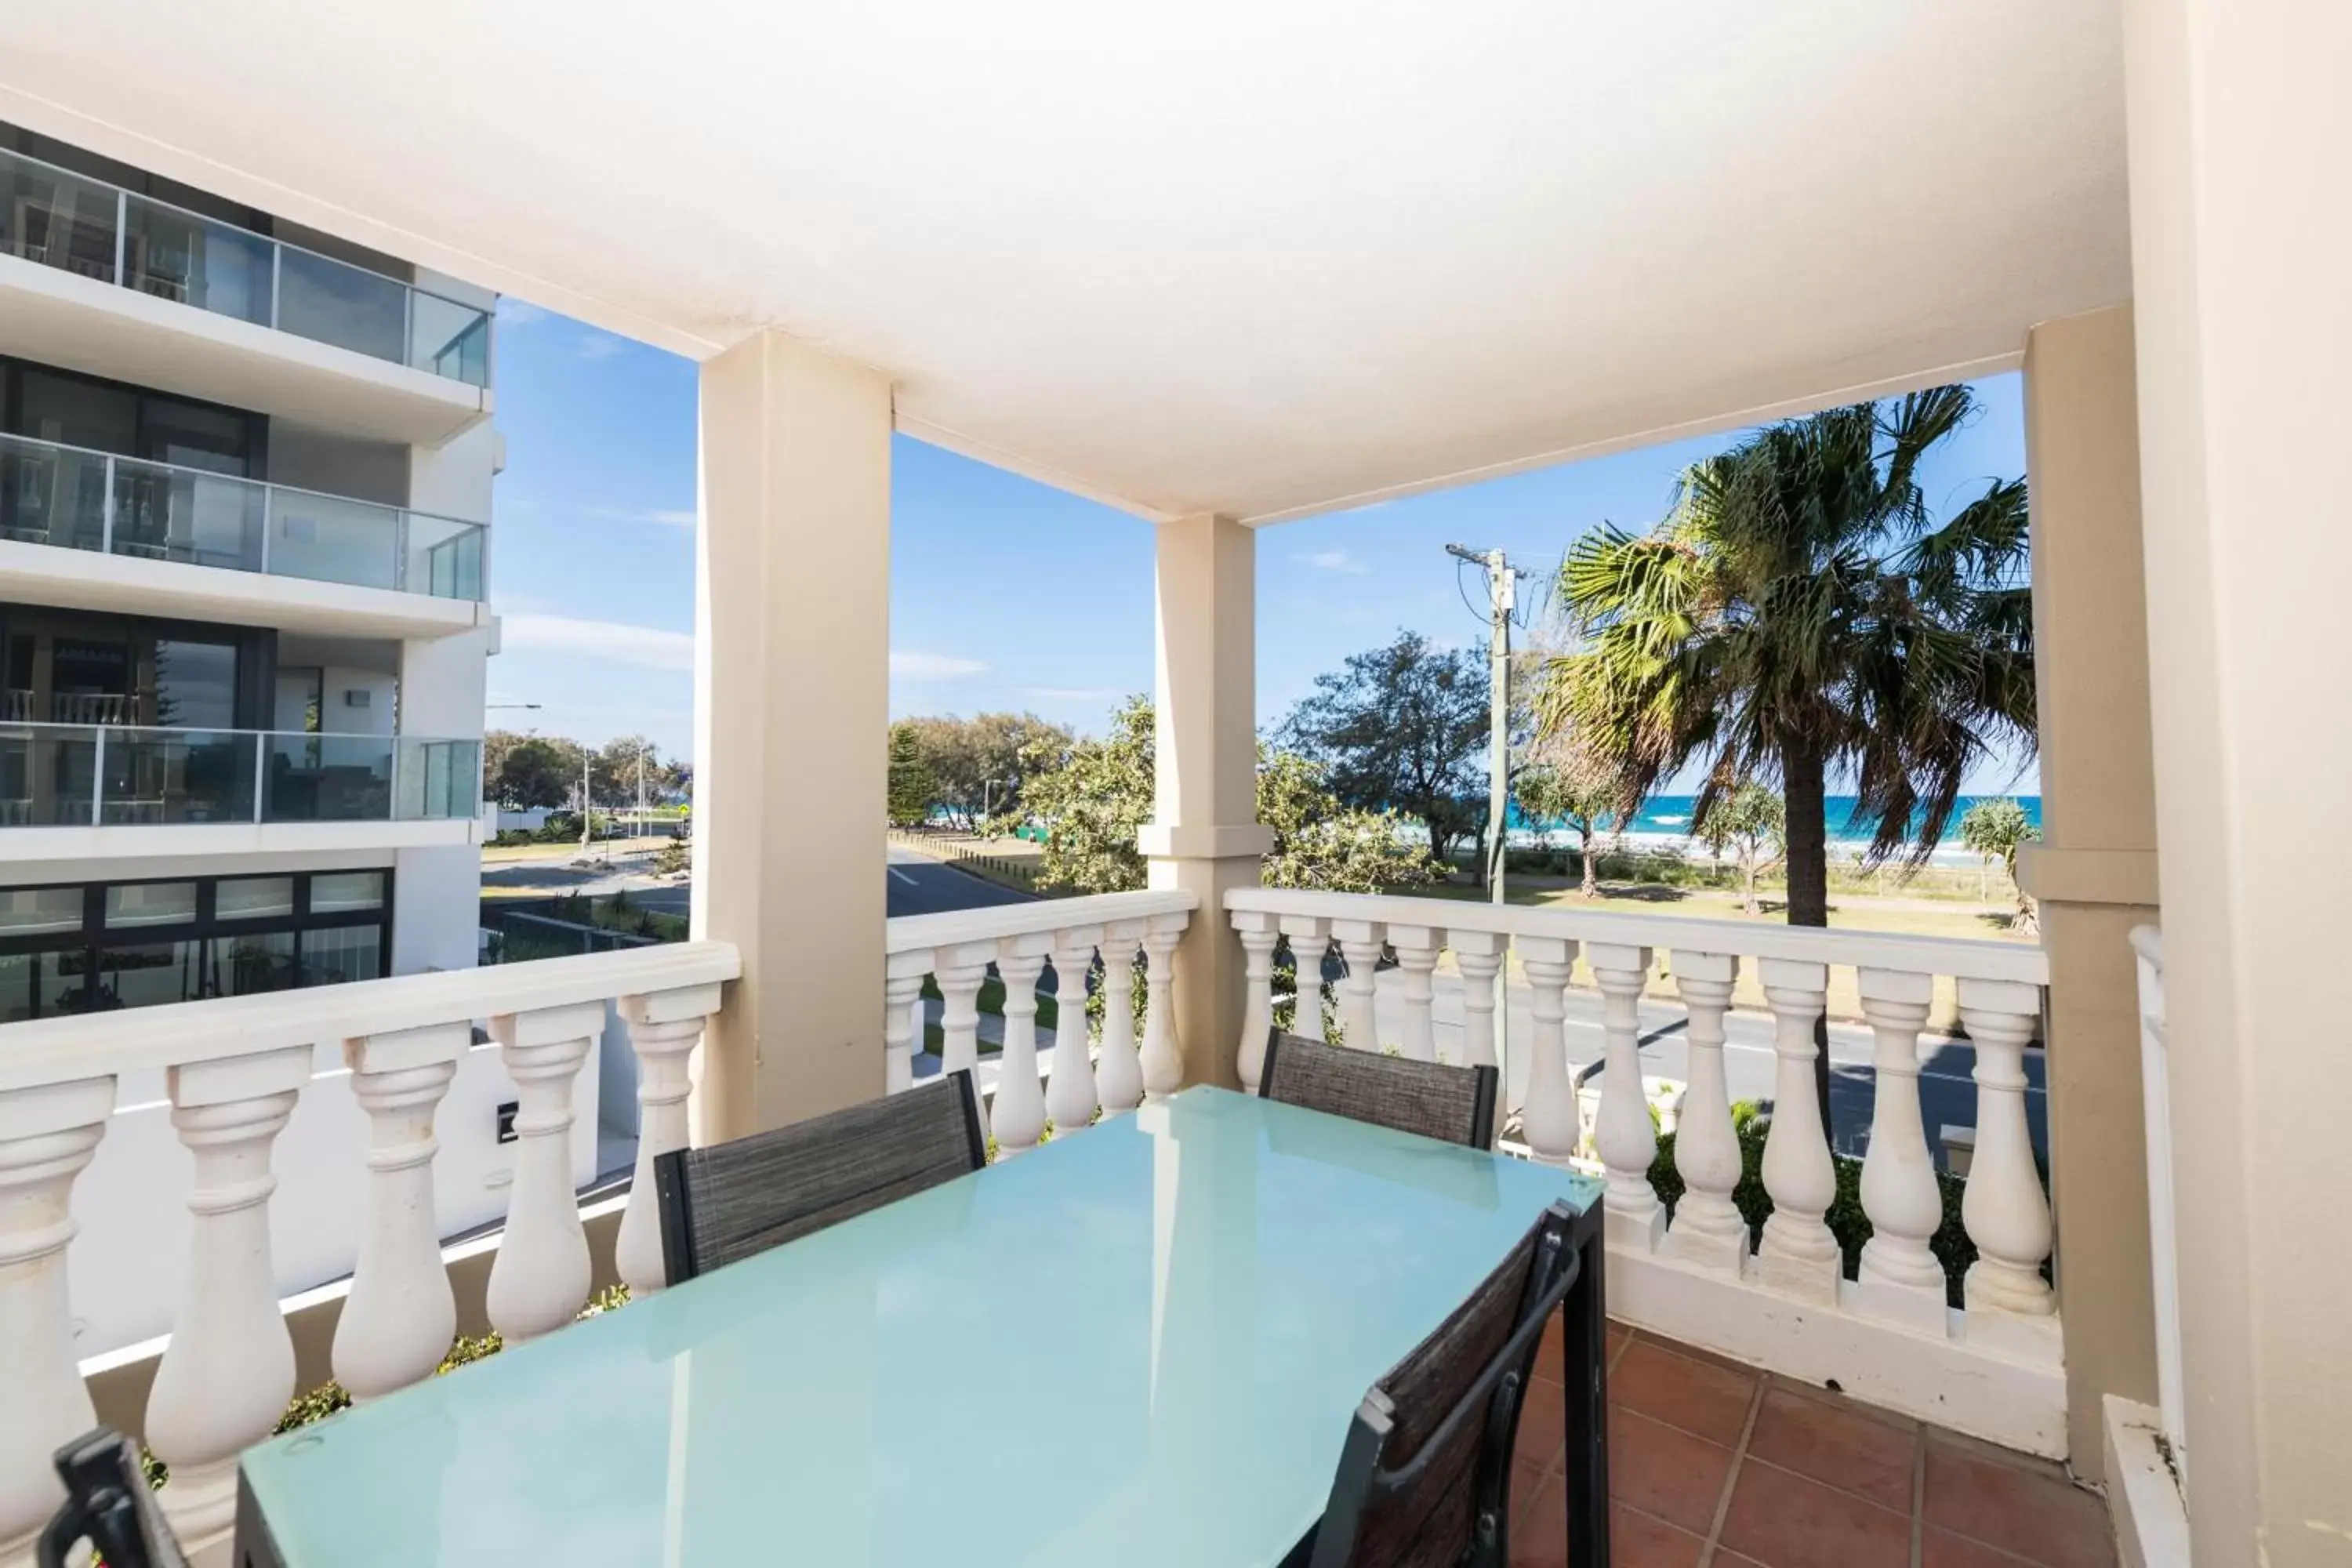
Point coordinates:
pixel 1139 1345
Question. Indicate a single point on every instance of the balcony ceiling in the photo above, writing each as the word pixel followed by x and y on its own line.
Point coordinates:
pixel 1205 255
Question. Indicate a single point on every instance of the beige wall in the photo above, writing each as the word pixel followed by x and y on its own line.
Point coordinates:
pixel 792 718
pixel 1203 836
pixel 2095 873
pixel 2238 118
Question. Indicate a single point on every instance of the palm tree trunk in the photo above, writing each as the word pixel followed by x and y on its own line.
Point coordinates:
pixel 1803 800
pixel 1591 873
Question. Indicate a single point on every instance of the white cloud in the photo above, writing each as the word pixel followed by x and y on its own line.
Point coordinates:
pixel 666 517
pixel 648 647
pixel 909 666
pixel 1335 561
pixel 514 313
pixel 1073 693
pixel 600 345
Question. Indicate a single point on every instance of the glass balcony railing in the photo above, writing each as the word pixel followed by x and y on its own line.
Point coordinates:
pixel 79 225
pixel 65 496
pixel 101 775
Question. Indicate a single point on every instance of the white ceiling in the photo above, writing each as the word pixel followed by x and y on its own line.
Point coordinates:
pixel 1261 256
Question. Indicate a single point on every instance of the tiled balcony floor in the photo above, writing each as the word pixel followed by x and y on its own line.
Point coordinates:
pixel 1717 1464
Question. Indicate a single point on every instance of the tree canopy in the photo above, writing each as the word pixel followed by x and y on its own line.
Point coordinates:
pixel 1751 820
pixel 1095 794
pixel 1403 728
pixel 1555 781
pixel 913 790
pixel 978 766
pixel 1803 612
pixel 528 771
pixel 1997 829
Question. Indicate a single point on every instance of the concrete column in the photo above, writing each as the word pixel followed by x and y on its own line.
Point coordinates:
pixel 2243 327
pixel 791 721
pixel 1205 835
pixel 2094 871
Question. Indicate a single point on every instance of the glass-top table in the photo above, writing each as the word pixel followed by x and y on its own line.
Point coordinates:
pixel 1139 1345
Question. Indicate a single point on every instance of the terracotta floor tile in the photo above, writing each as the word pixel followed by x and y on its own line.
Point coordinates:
pixel 1783 1520
pixel 1540 1536
pixel 1543 1423
pixel 1638 1541
pixel 1841 1446
pixel 2016 1506
pixel 1662 1470
pixel 1942 1549
pixel 1704 1399
pixel 1527 1480
pixel 1549 1361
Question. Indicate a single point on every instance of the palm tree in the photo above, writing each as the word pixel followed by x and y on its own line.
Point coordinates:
pixel 1801 613
pixel 1997 829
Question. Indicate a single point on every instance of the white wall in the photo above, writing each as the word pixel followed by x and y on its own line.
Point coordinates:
pixel 128 1264
pixel 437 908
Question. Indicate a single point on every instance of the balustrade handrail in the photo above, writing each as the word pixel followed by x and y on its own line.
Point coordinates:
pixel 911 933
pixel 178 1034
pixel 1959 957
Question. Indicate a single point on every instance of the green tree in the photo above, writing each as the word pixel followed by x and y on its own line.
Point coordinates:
pixel 1751 820
pixel 1403 728
pixel 1996 830
pixel 1559 783
pixel 913 790
pixel 1801 612
pixel 523 772
pixel 1094 796
pixel 979 764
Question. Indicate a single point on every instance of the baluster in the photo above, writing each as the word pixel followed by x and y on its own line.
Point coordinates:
pixel 1622 1131
pixel 1163 1062
pixel 1707 1229
pixel 1416 950
pixel 1479 954
pixel 1798 1253
pixel 902 1028
pixel 1360 944
pixel 229 1369
pixel 1310 944
pixel 1118 1072
pixel 1550 1121
pixel 1899 1278
pixel 962 970
pixel 1019 1115
pixel 540 1278
pixel 47 1135
pixel 1258 935
pixel 398 1320
pixel 1070 1098
pixel 663 1028
pixel 2005 1211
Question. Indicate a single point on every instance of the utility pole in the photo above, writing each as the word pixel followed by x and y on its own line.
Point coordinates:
pixel 587 801
pixel 1502 598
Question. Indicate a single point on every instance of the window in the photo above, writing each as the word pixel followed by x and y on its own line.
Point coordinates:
pixel 96 947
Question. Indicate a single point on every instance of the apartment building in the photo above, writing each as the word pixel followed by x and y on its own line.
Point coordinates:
pixel 245 490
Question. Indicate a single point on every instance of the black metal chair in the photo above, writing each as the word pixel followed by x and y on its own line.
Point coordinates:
pixel 108 1505
pixel 1424 1477
pixel 732 1200
pixel 1454 1105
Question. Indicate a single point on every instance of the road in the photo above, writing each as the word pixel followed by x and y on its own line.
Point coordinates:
pixel 922 886
pixel 917 885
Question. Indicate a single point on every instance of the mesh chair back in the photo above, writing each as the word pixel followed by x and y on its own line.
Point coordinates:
pixel 1424 1477
pixel 1454 1104
pixel 732 1200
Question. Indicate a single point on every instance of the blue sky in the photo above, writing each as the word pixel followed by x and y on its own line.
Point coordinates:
pixel 1004 593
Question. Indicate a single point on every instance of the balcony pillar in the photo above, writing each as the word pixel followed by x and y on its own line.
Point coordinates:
pixel 2241 337
pixel 791 716
pixel 1205 835
pixel 2094 875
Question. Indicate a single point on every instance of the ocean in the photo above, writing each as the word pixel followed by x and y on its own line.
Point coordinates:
pixel 1669 816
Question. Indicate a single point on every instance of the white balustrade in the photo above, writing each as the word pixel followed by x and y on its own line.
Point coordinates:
pixel 48 1134
pixel 541 1277
pixel 1361 944
pixel 663 1028
pixel 229 1370
pixel 1163 1062
pixel 960 976
pixel 1070 1099
pixel 1258 935
pixel 1417 948
pixel 1019 1114
pixel 902 1017
pixel 1994 1367
pixel 1310 944
pixel 400 1314
pixel 1622 1132
pixel 1901 1279
pixel 2164 1244
pixel 1550 1120
pixel 1707 1230
pixel 1119 1071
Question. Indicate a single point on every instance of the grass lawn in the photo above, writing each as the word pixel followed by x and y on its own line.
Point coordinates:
pixel 991 1000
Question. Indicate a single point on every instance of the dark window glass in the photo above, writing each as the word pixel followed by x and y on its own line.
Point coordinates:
pixel 150 974
pixel 245 965
pixel 341 953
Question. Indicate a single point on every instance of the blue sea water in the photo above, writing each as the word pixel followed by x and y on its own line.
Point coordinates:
pixel 1671 815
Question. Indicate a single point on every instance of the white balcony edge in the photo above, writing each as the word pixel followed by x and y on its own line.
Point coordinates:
pixel 66 578
pixel 911 933
pixel 2143 1494
pixel 145 842
pixel 54 1050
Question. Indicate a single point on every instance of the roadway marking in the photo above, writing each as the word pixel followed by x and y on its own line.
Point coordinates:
pixel 904 878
